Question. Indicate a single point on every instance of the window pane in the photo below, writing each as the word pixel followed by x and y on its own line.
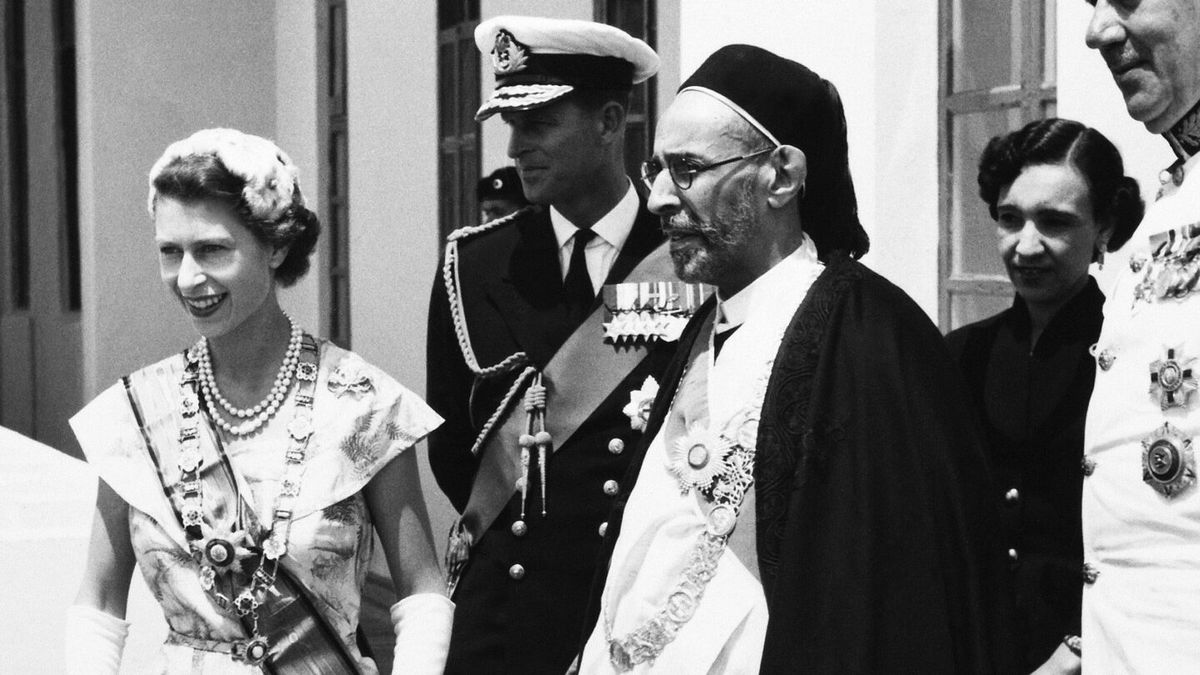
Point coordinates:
pixel 468 83
pixel 985 43
pixel 971 307
pixel 1050 43
pixel 446 88
pixel 972 230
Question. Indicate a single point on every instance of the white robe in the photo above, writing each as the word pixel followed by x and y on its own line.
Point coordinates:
pixel 661 525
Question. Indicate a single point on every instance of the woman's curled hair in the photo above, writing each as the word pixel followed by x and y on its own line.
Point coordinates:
pixel 1115 197
pixel 252 176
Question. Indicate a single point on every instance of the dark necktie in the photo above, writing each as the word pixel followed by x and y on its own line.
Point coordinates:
pixel 577 287
pixel 720 338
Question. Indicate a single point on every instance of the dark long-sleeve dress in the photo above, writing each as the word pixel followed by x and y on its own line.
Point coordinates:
pixel 1033 403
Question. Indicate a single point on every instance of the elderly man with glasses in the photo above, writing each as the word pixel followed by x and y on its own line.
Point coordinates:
pixel 810 494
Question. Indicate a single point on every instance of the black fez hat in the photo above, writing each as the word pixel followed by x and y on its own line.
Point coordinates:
pixel 503 183
pixel 792 105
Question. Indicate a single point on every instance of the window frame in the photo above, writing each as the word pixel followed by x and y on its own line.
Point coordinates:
pixel 1034 96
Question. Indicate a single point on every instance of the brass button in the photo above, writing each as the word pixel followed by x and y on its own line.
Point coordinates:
pixel 1012 496
pixel 1012 554
pixel 517 572
pixel 1089 466
pixel 603 529
pixel 1090 573
pixel 616 446
pixel 611 488
pixel 519 528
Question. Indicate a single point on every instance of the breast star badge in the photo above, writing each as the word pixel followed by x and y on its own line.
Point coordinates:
pixel 1171 379
pixel 1168 464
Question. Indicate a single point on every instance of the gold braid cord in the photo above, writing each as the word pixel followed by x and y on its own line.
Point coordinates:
pixel 459 318
pixel 504 403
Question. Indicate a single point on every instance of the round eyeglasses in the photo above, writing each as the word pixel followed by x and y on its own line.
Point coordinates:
pixel 683 170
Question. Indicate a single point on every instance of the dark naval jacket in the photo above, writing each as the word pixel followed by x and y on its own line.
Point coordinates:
pixel 522 594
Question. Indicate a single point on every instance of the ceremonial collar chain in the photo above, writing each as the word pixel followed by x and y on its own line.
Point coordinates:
pixel 226 556
pixel 1184 135
pixel 257 415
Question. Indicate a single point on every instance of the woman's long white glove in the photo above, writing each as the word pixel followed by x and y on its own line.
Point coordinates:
pixel 94 640
pixel 422 623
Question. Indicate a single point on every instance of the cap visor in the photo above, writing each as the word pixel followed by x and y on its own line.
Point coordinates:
pixel 521 97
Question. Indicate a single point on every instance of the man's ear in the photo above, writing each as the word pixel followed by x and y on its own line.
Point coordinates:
pixel 612 122
pixel 789 171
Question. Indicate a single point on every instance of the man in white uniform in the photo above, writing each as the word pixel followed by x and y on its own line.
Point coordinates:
pixel 1141 506
pixel 809 495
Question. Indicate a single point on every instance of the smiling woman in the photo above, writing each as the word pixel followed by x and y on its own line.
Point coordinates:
pixel 1058 193
pixel 244 475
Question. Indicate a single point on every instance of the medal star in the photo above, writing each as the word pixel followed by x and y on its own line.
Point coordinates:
pixel 1172 380
pixel 225 550
pixel 1168 462
pixel 697 458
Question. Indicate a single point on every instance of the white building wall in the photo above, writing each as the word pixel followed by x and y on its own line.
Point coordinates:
pixel 883 59
pixel 296 132
pixel 392 102
pixel 147 76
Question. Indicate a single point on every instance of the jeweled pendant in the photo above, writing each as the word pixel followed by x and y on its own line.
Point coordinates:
pixel 274 549
pixel 1171 379
pixel 190 406
pixel 190 459
pixel 306 371
pixel 1168 464
pixel 192 515
pixel 721 520
pixel 300 428
pixel 256 650
pixel 245 602
pixel 219 552
pixel 208 575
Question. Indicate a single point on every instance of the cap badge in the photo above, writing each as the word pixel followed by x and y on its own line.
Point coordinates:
pixel 508 56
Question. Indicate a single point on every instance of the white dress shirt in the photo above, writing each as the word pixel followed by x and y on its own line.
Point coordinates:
pixel 611 232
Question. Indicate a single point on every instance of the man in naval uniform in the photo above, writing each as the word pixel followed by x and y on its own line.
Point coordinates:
pixel 811 494
pixel 1141 504
pixel 542 326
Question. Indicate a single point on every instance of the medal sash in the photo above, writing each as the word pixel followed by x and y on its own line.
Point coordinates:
pixel 571 398
pixel 301 640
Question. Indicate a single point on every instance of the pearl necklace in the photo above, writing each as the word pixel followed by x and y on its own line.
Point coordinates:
pixel 258 414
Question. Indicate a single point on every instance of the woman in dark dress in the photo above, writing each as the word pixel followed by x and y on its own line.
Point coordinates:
pixel 1060 198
